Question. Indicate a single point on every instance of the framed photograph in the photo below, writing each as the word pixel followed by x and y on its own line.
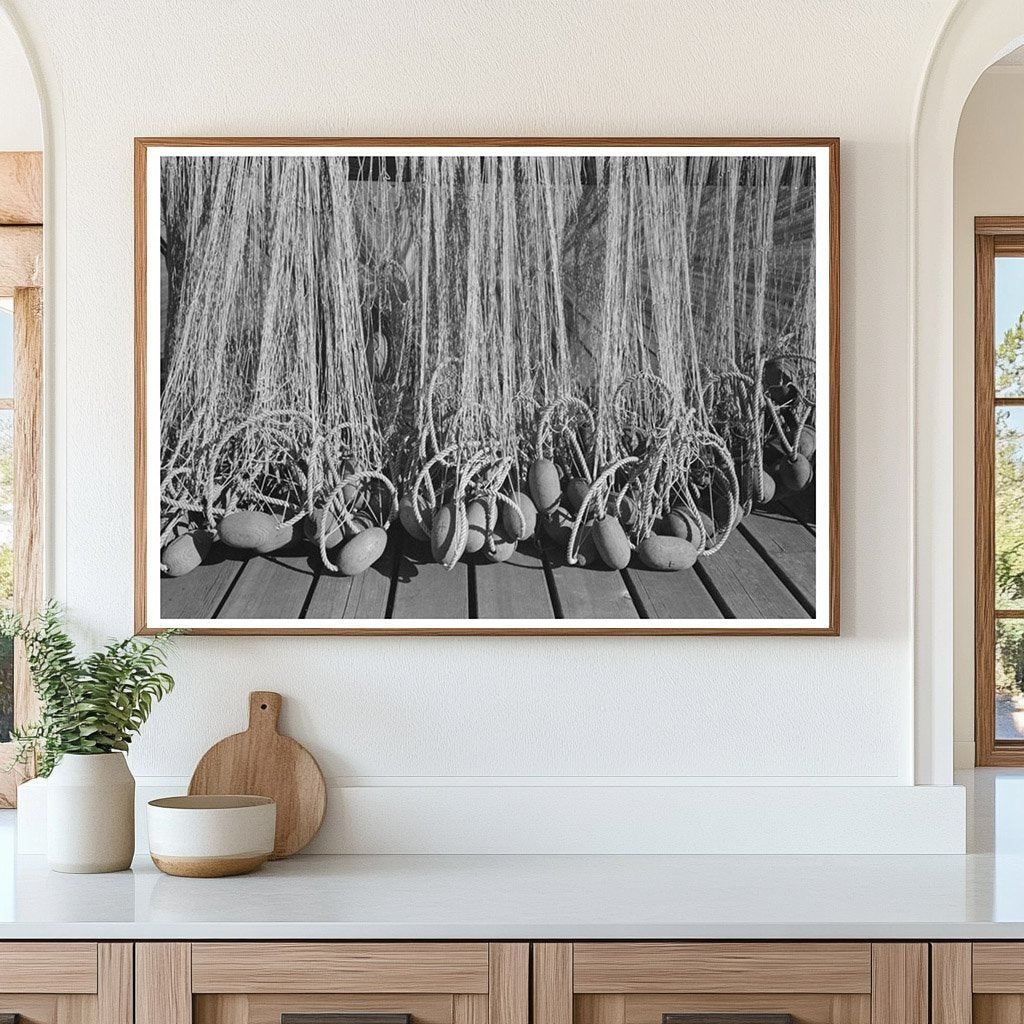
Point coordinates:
pixel 504 386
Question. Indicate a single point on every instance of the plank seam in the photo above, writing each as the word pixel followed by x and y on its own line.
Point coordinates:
pixel 713 592
pixel 634 593
pixel 308 600
pixel 777 569
pixel 396 572
pixel 231 586
pixel 549 576
pixel 474 609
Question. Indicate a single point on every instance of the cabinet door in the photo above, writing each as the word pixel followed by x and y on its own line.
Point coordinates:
pixel 730 983
pixel 65 983
pixel 980 982
pixel 332 983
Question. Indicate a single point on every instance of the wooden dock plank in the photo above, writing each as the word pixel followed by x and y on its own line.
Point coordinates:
pixel 198 594
pixel 747 584
pixel 354 597
pixel 789 546
pixel 426 590
pixel 672 595
pixel 270 587
pixel 516 589
pixel 594 592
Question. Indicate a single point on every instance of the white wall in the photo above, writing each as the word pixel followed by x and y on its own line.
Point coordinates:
pixel 988 180
pixel 463 711
pixel 20 124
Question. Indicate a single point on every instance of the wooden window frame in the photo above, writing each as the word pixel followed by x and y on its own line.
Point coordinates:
pixel 993 236
pixel 21 278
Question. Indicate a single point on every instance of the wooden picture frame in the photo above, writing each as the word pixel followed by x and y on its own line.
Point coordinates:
pixel 636 591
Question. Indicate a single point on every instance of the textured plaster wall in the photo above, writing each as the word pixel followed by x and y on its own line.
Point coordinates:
pixel 731 710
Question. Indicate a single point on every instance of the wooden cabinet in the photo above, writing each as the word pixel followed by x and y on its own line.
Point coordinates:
pixel 265 982
pixel 753 982
pixel 66 982
pixel 494 983
pixel 979 982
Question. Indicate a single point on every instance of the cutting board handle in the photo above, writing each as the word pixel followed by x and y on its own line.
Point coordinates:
pixel 264 710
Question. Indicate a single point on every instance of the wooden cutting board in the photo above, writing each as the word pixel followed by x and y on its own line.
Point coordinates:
pixel 262 762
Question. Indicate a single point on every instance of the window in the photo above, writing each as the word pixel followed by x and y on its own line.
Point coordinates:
pixel 21 260
pixel 20 500
pixel 999 490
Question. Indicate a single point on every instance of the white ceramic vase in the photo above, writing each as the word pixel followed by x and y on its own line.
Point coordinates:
pixel 90 814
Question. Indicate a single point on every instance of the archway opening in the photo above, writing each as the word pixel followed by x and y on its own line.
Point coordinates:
pixel 986 183
pixel 21 249
pixel 977 34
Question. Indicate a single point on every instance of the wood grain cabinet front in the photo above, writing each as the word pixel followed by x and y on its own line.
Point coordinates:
pixel 978 983
pixel 332 983
pixel 66 982
pixel 493 983
pixel 730 983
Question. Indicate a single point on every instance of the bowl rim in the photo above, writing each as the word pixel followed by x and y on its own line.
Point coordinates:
pixel 212 802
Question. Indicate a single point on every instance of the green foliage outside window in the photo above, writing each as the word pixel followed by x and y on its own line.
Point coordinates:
pixel 1009 510
pixel 6 688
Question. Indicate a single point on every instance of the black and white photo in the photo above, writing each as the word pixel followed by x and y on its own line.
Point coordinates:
pixel 468 387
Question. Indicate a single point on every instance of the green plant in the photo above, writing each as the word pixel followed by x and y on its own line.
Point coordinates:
pixel 90 705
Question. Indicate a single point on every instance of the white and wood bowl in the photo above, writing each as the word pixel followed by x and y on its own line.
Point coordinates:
pixel 211 836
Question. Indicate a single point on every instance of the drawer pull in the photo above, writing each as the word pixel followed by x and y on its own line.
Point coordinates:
pixel 339 1018
pixel 727 1018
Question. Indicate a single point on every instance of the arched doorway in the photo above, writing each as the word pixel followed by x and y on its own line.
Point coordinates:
pixel 976 34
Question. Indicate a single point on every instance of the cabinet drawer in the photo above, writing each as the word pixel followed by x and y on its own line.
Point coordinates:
pixel 66 967
pixel 634 967
pixel 340 967
pixel 341 1008
pixel 998 967
pixel 66 982
pixel 332 983
pixel 730 983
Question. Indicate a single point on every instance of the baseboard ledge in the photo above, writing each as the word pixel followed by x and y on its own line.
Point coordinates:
pixel 715 820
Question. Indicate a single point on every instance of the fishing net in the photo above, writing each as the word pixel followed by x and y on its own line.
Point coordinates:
pixel 348 338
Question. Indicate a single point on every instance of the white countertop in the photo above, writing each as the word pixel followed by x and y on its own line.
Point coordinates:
pixel 977 896
pixel 496 897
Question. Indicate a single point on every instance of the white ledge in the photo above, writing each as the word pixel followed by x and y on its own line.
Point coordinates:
pixel 449 817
